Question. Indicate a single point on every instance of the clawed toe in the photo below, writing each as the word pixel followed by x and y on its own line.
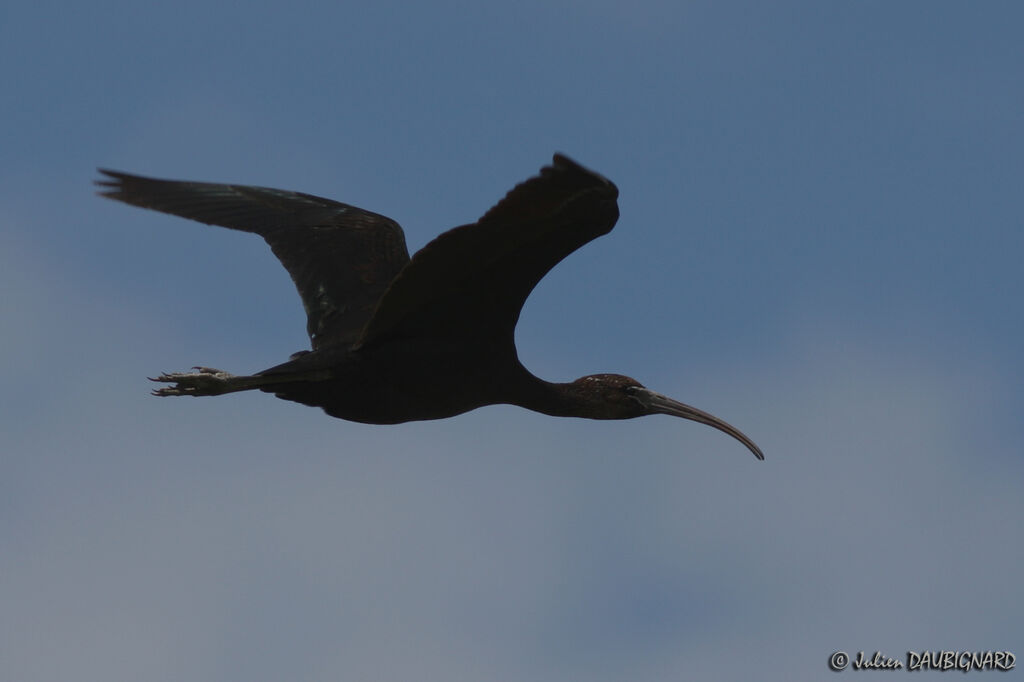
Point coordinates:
pixel 167 391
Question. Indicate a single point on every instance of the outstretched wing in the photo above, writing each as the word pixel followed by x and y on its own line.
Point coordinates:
pixel 340 257
pixel 469 284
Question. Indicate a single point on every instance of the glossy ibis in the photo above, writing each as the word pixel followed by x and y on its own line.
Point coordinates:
pixel 396 339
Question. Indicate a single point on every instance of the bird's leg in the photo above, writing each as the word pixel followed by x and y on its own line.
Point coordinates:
pixel 205 381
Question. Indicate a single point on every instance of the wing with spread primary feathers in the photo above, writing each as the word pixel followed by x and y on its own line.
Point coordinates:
pixel 470 283
pixel 340 257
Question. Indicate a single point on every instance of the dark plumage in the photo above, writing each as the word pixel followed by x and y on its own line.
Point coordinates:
pixel 396 339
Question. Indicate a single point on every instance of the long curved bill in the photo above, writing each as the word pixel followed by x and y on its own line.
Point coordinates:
pixel 664 405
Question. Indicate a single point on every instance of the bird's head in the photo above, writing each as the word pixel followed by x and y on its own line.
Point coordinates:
pixel 614 396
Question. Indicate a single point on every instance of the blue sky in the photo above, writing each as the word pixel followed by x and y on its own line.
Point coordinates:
pixel 821 232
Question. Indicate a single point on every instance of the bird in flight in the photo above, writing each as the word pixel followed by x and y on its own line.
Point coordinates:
pixel 397 339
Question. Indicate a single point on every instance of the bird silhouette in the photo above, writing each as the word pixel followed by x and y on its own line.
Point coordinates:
pixel 395 339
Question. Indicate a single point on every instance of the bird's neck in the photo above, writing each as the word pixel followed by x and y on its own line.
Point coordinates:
pixel 551 398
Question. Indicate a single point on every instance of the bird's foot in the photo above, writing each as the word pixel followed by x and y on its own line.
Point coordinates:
pixel 204 381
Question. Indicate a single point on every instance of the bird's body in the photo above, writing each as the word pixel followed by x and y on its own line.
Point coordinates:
pixel 396 339
pixel 390 383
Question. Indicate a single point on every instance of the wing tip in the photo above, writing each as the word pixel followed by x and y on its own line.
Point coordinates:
pixel 560 162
